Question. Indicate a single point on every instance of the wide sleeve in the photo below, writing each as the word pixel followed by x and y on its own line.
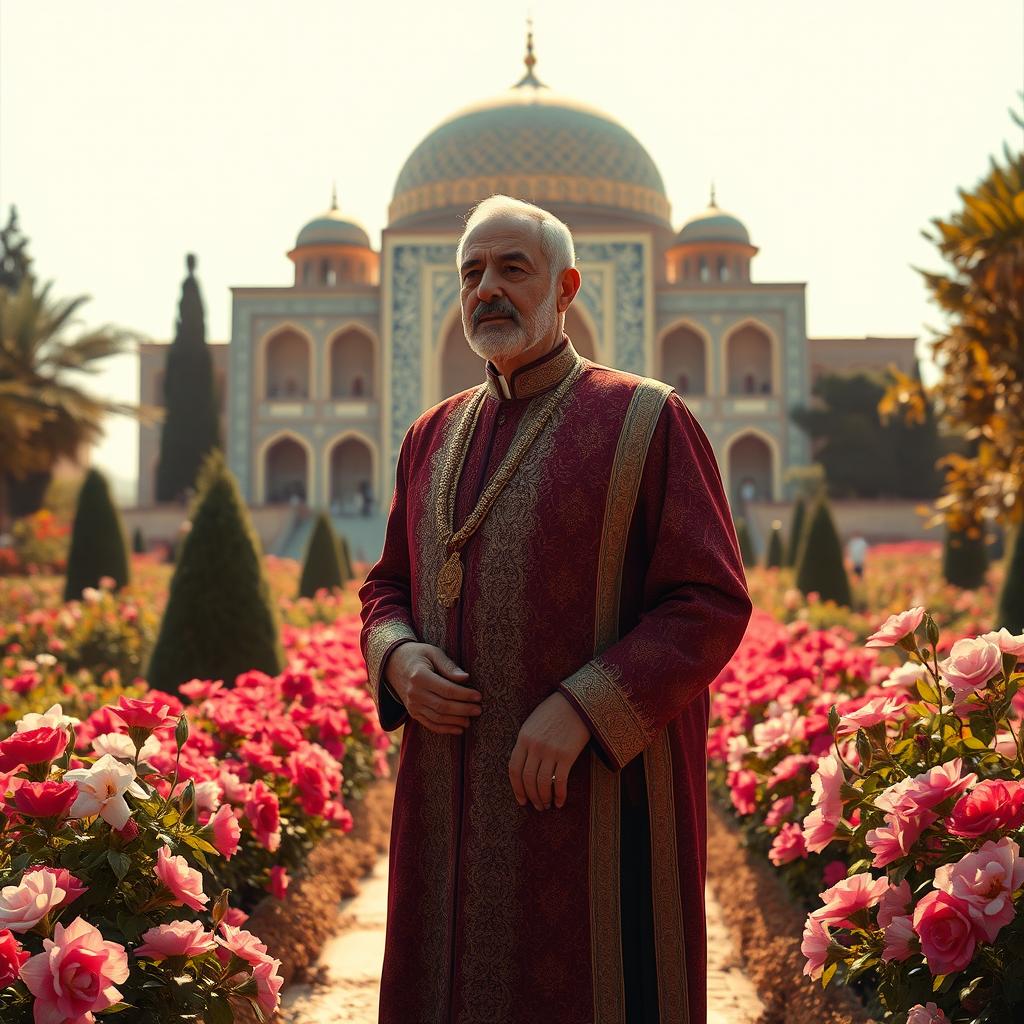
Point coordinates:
pixel 386 610
pixel 693 602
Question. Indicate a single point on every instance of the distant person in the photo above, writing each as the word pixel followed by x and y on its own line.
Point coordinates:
pixel 856 551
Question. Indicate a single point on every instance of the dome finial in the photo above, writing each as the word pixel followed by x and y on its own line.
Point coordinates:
pixel 334 195
pixel 713 203
pixel 529 60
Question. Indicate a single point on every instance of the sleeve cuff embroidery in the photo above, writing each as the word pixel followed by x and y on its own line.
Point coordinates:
pixel 382 637
pixel 619 726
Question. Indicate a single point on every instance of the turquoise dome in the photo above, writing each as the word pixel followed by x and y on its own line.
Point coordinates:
pixel 535 144
pixel 332 228
pixel 714 225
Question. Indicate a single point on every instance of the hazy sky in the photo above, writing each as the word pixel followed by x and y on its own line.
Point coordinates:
pixel 132 133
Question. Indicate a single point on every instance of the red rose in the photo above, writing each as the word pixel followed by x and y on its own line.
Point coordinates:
pixel 45 799
pixel 143 714
pixel 34 746
pixel 12 956
pixel 992 804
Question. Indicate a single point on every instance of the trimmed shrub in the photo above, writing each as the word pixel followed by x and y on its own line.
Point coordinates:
pixel 345 556
pixel 97 540
pixel 821 567
pixel 775 556
pixel 965 558
pixel 321 568
pixel 796 529
pixel 1011 600
pixel 746 543
pixel 220 619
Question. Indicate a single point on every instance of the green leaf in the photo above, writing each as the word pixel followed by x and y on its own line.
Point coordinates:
pixel 827 974
pixel 218 1011
pixel 927 691
pixel 120 863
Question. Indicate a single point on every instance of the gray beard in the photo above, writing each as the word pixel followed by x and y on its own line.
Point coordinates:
pixel 506 339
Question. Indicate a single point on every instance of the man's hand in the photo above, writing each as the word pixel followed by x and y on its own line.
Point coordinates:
pixel 428 682
pixel 549 742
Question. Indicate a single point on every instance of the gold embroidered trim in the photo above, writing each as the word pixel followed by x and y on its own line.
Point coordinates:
pixel 623 730
pixel 605 895
pixel 379 639
pixel 533 380
pixel 669 941
pixel 450 579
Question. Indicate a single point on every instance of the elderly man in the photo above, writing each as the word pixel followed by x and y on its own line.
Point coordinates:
pixel 559 585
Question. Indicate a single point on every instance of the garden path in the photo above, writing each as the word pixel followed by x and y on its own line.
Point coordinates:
pixel 350 966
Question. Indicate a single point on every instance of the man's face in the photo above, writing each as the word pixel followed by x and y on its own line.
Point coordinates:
pixel 509 299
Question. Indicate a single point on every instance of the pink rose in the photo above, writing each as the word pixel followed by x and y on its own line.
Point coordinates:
pixel 1006 641
pixel 895 628
pixel 278 884
pixel 900 939
pixel 943 924
pixel 36 746
pixel 992 804
pixel 894 839
pixel 879 709
pixel 826 785
pixel 906 676
pixel 779 811
pixel 144 714
pixel 240 942
pixel 264 816
pixel 185 883
pixel 895 901
pixel 788 845
pixel 226 830
pixel 268 983
pixel 48 799
pixel 849 895
pixel 970 666
pixel 12 956
pixel 74 977
pixel 235 917
pixel 927 1014
pixel 72 886
pixel 819 830
pixel 930 788
pixel 814 947
pixel 24 905
pixel 985 880
pixel 178 938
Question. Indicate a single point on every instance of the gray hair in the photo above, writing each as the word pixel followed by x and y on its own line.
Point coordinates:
pixel 555 237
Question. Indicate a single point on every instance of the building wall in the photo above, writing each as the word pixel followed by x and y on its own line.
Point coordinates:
pixel 851 355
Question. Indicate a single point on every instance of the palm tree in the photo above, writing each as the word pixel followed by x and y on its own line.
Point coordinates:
pixel 44 412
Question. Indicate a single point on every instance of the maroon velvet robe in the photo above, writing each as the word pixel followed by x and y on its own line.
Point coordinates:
pixel 608 569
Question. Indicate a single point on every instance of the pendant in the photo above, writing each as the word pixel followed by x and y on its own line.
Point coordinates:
pixel 449 580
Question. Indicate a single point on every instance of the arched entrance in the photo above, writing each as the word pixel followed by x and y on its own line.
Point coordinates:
pixel 684 361
pixel 461 367
pixel 750 471
pixel 749 362
pixel 287 363
pixel 351 477
pixel 286 472
pixel 351 362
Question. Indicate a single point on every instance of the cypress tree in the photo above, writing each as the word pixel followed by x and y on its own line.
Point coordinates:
pixel 746 543
pixel 191 425
pixel 345 557
pixel 775 555
pixel 97 540
pixel 820 565
pixel 220 619
pixel 965 558
pixel 1011 600
pixel 796 529
pixel 321 568
pixel 138 541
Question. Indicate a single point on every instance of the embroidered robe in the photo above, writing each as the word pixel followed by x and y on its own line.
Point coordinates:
pixel 608 570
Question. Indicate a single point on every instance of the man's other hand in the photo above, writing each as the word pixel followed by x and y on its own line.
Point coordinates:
pixel 549 742
pixel 428 683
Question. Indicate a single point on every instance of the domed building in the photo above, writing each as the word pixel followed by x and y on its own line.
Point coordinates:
pixel 324 376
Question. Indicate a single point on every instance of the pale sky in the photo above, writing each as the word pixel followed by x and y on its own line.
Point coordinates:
pixel 132 133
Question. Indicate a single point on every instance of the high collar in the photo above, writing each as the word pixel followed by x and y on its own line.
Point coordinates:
pixel 533 378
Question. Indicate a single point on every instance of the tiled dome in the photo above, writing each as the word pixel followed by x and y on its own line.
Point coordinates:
pixel 333 228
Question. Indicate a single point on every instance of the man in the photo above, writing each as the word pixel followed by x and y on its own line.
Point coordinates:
pixel 560 583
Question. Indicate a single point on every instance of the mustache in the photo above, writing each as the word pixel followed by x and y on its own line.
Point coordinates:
pixel 499 306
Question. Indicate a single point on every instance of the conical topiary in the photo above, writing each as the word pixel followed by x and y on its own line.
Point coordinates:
pixel 321 568
pixel 775 556
pixel 220 619
pixel 796 529
pixel 746 543
pixel 965 557
pixel 97 540
pixel 821 567
pixel 138 541
pixel 345 557
pixel 1011 599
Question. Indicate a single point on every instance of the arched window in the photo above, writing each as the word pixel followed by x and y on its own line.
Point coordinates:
pixel 286 472
pixel 287 365
pixel 683 384
pixel 351 486
pixel 683 359
pixel 750 470
pixel 351 361
pixel 723 269
pixel 749 362
pixel 307 272
pixel 705 271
